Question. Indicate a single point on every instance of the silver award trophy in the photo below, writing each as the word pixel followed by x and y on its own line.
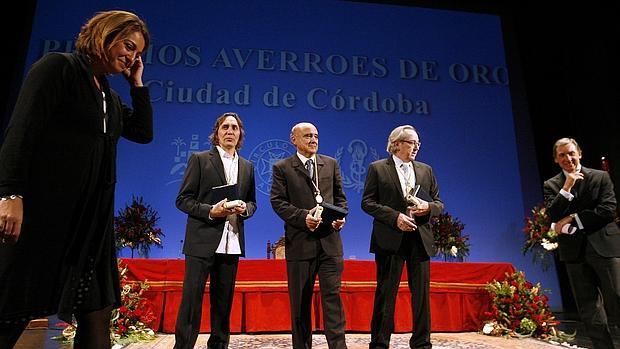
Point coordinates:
pixel 411 197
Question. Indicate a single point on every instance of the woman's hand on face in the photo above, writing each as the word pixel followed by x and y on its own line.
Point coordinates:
pixel 133 74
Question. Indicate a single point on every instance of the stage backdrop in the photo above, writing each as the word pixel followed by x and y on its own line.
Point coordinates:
pixel 355 70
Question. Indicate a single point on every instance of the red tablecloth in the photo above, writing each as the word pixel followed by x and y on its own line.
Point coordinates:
pixel 261 304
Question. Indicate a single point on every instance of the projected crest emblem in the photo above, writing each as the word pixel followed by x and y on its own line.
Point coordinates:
pixel 183 152
pixel 359 156
pixel 263 156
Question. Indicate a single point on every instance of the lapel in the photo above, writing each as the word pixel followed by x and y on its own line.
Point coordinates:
pixel 320 163
pixel 579 186
pixel 298 166
pixel 240 173
pixel 88 75
pixel 419 177
pixel 216 161
pixel 390 168
pixel 558 180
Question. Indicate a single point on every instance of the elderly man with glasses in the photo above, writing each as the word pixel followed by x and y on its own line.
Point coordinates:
pixel 401 195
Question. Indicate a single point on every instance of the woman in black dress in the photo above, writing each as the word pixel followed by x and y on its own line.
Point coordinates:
pixel 57 178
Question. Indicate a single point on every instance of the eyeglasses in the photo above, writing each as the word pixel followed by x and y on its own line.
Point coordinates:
pixel 412 142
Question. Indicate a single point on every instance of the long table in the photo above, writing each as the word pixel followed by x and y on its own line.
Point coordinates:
pixel 261 304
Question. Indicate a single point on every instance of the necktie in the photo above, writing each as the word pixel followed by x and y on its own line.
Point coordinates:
pixel 310 168
pixel 406 171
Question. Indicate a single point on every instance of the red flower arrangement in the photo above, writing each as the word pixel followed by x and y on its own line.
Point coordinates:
pixel 450 242
pixel 540 237
pixel 132 321
pixel 135 227
pixel 520 309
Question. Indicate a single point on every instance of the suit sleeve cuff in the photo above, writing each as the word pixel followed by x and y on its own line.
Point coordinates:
pixel 567 195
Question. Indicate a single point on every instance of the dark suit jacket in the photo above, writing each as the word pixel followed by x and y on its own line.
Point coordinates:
pixel 595 204
pixel 205 171
pixel 383 199
pixel 292 196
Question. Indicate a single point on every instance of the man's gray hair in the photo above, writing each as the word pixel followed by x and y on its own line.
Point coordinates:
pixel 396 135
pixel 564 141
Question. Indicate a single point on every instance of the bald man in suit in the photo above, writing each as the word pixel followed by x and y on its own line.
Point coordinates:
pixel 582 202
pixel 401 234
pixel 312 247
pixel 214 236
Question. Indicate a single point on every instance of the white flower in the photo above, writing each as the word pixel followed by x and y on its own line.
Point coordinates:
pixel 549 246
pixel 454 251
pixel 488 328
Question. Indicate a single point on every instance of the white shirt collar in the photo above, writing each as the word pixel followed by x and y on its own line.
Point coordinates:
pixel 399 162
pixel 304 159
pixel 224 154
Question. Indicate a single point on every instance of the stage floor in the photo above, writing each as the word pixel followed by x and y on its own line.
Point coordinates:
pixel 39 339
pixel 464 340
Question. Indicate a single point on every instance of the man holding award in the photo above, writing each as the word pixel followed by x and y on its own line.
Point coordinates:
pixel 218 194
pixel 307 194
pixel 402 195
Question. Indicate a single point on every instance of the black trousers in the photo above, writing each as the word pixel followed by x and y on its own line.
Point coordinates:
pixel 221 269
pixel 301 277
pixel 589 277
pixel 389 271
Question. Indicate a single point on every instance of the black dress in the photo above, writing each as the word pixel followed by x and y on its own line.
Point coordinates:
pixel 57 155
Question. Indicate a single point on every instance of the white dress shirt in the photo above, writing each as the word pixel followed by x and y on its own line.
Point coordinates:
pixel 405 177
pixel 229 244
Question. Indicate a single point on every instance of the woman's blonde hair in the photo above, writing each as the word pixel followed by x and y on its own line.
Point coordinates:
pixel 105 29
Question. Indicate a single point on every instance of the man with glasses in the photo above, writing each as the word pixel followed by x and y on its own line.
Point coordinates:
pixel 313 247
pixel 401 195
pixel 214 238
